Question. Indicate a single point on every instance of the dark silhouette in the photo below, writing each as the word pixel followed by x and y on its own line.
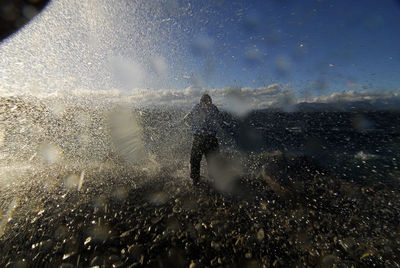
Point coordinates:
pixel 14 15
pixel 204 119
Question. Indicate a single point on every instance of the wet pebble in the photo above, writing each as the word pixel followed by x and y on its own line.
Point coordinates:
pixel 18 264
pixel 96 261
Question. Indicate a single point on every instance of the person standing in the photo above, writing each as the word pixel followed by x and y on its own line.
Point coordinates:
pixel 205 119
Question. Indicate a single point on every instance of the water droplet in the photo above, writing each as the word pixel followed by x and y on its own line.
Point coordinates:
pixel 283 64
pixel 50 153
pixel 160 66
pixel 202 44
pixel 158 198
pixel 71 181
pixel 120 193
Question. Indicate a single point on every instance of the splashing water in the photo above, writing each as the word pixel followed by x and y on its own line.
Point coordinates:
pixel 8 215
pixel 127 135
pixel 50 153
pixel 86 115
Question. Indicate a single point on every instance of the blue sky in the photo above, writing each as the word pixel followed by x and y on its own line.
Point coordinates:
pixel 314 47
pixel 333 42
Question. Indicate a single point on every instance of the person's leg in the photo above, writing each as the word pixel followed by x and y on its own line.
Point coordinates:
pixel 212 154
pixel 195 158
pixel 211 146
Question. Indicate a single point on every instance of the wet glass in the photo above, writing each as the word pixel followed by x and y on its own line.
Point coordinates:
pixel 101 124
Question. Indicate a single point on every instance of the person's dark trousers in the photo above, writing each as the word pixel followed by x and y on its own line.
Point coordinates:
pixel 202 144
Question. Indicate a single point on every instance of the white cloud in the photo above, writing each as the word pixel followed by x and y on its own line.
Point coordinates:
pixel 233 99
pixel 193 91
pixel 352 95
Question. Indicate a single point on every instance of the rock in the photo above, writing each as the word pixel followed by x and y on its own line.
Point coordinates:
pixel 173 224
pixel 260 234
pixel 18 264
pixel 96 261
pixel 193 265
pixel 215 245
pixel 113 258
pixel 127 233
pixel 136 250
pixel 252 264
pixel 328 261
pixel 67 265
pixel 118 264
